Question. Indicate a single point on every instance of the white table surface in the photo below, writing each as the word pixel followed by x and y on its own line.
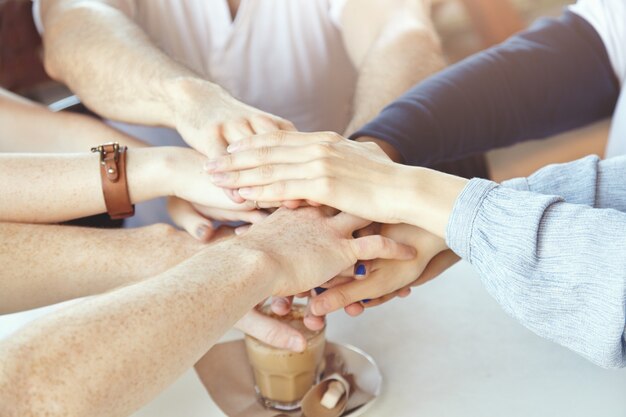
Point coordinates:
pixel 446 351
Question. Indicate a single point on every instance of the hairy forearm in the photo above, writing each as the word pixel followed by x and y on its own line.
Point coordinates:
pixel 48 188
pixel 132 342
pixel 46 264
pixel 399 59
pixel 102 55
pixel 29 127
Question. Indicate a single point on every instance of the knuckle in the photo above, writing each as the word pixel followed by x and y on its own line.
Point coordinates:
pixel 263 153
pixel 322 149
pixel 266 171
pixel 334 136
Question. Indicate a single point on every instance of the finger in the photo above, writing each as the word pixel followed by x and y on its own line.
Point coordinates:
pixel 404 292
pixel 185 216
pixel 262 124
pixel 281 305
pixel 286 125
pixel 284 138
pixel 436 266
pixel 268 174
pixel 234 196
pixel 348 223
pixel 342 296
pixel 272 331
pixel 306 189
pixel 235 131
pixel 211 144
pixel 373 247
pixel 267 155
pixel 354 309
pixel 311 321
pixel 250 216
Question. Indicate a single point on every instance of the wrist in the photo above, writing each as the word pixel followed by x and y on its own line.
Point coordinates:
pixel 431 198
pixel 259 265
pixel 388 148
pixel 150 173
pixel 189 94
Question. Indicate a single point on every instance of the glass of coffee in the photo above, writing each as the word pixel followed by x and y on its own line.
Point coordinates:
pixel 282 377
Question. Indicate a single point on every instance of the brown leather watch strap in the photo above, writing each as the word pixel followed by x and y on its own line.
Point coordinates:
pixel 114 182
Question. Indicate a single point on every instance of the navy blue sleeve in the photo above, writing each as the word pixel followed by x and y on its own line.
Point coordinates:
pixel 553 77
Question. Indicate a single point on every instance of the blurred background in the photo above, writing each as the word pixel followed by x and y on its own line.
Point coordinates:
pixel 465 27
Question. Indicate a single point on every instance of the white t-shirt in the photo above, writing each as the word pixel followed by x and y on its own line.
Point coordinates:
pixel 608 17
pixel 284 57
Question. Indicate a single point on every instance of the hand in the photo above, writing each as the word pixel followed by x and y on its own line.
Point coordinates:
pixel 354 177
pixel 307 248
pixel 184 177
pixel 197 220
pixel 271 331
pixel 386 277
pixel 209 118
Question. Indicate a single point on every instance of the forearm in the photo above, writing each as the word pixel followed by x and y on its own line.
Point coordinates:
pixel 403 56
pixel 102 55
pixel 49 188
pixel 557 267
pixel 589 181
pixel 554 77
pixel 29 127
pixel 132 342
pixel 47 264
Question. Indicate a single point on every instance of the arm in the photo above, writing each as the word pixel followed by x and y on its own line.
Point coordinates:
pixel 554 77
pixel 45 188
pixel 29 127
pixel 96 49
pixel 46 264
pixel 603 186
pixel 123 347
pixel 558 268
pixel 393 45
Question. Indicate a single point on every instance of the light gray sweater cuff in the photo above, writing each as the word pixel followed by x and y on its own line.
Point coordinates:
pixel 464 212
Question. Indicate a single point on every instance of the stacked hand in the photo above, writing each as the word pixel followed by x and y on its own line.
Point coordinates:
pixel 209 119
pixel 325 168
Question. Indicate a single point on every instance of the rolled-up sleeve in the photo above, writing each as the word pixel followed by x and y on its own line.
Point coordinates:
pixel 557 267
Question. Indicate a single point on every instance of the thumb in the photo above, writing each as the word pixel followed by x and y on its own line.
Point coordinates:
pixel 186 217
pixel 271 331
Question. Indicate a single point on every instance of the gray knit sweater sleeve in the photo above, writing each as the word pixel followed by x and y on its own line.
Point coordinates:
pixel 589 181
pixel 558 267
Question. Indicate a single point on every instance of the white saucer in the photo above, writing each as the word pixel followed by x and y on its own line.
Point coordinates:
pixel 227 377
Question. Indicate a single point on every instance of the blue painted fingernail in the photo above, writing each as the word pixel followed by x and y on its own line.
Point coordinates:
pixel 360 269
pixel 367 300
pixel 319 290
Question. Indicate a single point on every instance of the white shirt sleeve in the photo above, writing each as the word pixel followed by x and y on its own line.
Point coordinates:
pixel 608 17
pixel 125 6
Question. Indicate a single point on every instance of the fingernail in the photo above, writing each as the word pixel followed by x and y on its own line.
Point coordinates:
pixel 319 290
pixel 211 165
pixel 281 303
pixel 295 343
pixel 367 300
pixel 233 147
pixel 219 177
pixel 201 231
pixel 245 192
pixel 360 270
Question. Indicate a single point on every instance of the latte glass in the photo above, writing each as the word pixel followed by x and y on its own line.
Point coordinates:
pixel 283 377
